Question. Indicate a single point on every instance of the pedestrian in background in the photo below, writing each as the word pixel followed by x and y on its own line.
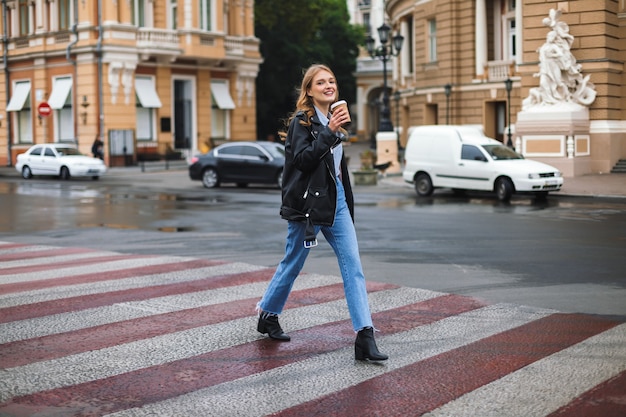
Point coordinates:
pixel 97 148
pixel 317 196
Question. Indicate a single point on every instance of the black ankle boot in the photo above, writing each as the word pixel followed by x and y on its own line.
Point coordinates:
pixel 365 346
pixel 268 323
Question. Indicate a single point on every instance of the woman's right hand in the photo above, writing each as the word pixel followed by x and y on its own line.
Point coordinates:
pixel 338 119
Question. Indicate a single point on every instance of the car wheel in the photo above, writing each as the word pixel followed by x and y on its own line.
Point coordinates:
pixel 210 179
pixel 423 185
pixel 504 189
pixel 279 179
pixel 26 172
pixel 65 173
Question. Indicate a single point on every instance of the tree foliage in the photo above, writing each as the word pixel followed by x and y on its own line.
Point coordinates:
pixel 294 35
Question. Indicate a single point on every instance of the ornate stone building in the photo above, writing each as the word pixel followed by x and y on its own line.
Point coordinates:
pixel 457 58
pixel 147 76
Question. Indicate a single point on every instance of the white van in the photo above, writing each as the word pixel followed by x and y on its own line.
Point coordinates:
pixel 462 158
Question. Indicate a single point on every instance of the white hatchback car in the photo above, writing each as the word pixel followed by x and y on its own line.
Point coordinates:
pixel 462 158
pixel 62 160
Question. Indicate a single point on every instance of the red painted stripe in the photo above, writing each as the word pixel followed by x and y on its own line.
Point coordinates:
pixel 64 344
pixel 65 305
pixel 180 377
pixel 18 256
pixel 106 276
pixel 426 385
pixel 605 400
pixel 9 245
pixel 68 264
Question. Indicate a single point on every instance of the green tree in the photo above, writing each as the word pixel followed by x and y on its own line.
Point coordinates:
pixel 294 35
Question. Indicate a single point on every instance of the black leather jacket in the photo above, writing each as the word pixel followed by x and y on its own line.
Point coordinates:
pixel 309 190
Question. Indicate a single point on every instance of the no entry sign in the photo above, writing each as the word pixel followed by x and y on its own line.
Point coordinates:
pixel 44 109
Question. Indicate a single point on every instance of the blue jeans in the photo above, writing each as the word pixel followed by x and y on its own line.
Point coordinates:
pixel 342 238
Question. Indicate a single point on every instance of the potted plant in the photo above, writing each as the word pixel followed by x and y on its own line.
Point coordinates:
pixel 367 175
pixel 368 159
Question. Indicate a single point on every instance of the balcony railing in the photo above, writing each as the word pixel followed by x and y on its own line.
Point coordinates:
pixel 499 70
pixel 158 39
pixel 234 46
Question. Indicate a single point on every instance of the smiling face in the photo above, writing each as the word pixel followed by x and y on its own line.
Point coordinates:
pixel 323 90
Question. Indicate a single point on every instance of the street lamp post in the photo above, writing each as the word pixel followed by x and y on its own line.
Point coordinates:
pixel 508 84
pixel 396 97
pixel 447 89
pixel 384 52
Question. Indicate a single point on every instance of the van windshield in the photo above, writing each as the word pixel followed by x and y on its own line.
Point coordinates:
pixel 501 152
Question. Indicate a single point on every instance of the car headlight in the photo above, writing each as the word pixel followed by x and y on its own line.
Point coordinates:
pixel 558 174
pixel 533 176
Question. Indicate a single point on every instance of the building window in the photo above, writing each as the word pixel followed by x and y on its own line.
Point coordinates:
pixel 147 101
pixel 512 53
pixel 24 13
pixel 205 14
pixel 60 100
pixel 64 14
pixel 511 5
pixel 408 49
pixel 366 22
pixel 173 16
pixel 20 104
pixel 221 102
pixel 432 40
pixel 138 13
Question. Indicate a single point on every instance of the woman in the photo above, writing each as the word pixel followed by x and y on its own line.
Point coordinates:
pixel 316 195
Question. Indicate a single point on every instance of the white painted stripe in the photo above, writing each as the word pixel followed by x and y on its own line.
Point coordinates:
pixel 98 287
pixel 51 260
pixel 27 248
pixel 62 272
pixel 77 320
pixel 574 370
pixel 104 363
pixel 328 373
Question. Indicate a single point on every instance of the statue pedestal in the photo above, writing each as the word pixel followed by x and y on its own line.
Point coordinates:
pixel 557 135
pixel 387 151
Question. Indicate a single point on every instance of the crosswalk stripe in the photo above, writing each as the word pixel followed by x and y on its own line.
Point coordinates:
pixel 31 291
pixel 606 400
pixel 174 336
pixel 459 370
pixel 128 289
pixel 35 257
pixel 125 262
pixel 167 315
pixel 575 370
pixel 237 352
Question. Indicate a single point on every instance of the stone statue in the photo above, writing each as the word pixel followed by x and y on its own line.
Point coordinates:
pixel 560 77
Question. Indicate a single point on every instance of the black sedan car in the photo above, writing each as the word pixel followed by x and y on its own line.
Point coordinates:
pixel 241 163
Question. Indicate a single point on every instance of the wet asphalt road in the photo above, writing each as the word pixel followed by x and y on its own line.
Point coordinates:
pixel 565 253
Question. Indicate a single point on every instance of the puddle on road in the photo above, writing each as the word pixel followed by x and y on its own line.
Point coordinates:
pixel 166 229
pixel 175 229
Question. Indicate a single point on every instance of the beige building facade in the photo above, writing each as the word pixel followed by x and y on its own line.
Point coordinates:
pixel 146 76
pixel 458 55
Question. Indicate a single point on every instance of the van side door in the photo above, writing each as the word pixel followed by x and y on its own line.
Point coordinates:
pixel 473 169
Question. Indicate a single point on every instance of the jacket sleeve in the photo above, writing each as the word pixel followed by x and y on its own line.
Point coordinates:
pixel 306 150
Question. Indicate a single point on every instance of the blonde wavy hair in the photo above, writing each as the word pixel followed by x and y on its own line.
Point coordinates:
pixel 305 102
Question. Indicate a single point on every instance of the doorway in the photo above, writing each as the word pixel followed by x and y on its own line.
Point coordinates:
pixel 495 119
pixel 184 114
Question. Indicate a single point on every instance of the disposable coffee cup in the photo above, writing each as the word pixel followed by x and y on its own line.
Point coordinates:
pixel 341 103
